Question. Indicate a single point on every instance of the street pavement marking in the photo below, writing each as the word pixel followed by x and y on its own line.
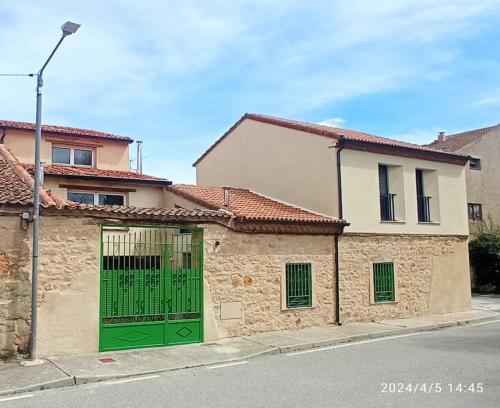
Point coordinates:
pixel 126 380
pixel 355 343
pixel 226 365
pixel 15 397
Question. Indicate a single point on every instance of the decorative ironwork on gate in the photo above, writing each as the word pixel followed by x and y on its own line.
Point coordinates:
pixel 151 275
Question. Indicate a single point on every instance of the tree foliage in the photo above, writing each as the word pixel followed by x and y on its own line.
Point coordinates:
pixel 484 251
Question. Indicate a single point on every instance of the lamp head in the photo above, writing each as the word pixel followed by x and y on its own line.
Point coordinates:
pixel 69 28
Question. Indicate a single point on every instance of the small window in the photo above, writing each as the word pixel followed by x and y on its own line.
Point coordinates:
pixel 70 156
pixel 475 163
pixel 83 157
pixel 96 198
pixel 383 282
pixel 81 198
pixel 61 155
pixel 298 285
pixel 110 199
pixel 475 211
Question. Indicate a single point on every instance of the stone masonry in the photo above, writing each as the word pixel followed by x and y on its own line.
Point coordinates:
pixel 431 275
pixel 249 268
pixel 15 288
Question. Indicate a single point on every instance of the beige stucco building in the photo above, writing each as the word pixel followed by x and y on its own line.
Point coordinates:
pixel 482 172
pixel 84 165
pixel 291 225
pixel 405 205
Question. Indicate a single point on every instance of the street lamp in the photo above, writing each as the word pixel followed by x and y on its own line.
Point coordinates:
pixel 67 28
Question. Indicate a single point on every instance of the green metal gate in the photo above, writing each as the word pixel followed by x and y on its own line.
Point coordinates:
pixel 151 286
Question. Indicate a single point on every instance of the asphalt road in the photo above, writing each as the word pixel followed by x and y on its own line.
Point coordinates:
pixel 462 364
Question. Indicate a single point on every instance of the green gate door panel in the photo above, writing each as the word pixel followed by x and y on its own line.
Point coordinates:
pixel 151 288
pixel 122 337
pixel 183 331
pixel 184 292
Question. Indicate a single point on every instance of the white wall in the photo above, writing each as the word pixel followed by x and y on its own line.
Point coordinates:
pixel 360 195
pixel 285 164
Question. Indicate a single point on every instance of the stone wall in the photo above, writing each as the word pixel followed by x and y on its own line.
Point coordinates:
pixel 432 275
pixel 249 268
pixel 68 316
pixel 15 288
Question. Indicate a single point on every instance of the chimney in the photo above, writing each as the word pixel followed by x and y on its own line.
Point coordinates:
pixel 441 137
pixel 139 156
pixel 226 196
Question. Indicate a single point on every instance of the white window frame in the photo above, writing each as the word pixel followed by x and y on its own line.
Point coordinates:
pixel 96 195
pixel 72 155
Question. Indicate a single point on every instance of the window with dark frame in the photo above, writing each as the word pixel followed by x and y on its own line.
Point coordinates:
pixel 475 211
pixel 386 198
pixel 383 282
pixel 298 285
pixel 475 163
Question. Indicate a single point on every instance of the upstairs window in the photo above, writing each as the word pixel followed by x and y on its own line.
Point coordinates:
pixel 386 197
pixel 423 201
pixel 96 198
pixel 475 211
pixel 475 163
pixel 61 155
pixel 72 156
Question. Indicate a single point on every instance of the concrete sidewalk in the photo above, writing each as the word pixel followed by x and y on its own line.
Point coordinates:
pixel 63 371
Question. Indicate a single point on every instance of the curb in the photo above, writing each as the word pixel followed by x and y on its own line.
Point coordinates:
pixel 385 333
pixel 63 382
pixel 271 350
pixel 92 379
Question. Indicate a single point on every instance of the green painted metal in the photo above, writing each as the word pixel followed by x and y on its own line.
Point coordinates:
pixel 383 281
pixel 298 285
pixel 151 291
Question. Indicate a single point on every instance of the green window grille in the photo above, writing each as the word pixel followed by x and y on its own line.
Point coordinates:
pixel 298 285
pixel 383 282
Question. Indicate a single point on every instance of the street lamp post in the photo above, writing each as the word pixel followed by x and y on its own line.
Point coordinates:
pixel 68 28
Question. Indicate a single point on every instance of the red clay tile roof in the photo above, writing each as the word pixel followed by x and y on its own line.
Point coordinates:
pixel 149 212
pixel 95 173
pixel 327 131
pixel 456 141
pixel 248 205
pixel 63 130
pixel 16 185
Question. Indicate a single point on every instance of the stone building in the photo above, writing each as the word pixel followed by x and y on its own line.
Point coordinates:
pixel 173 264
pixel 482 172
pixel 405 250
pixel 207 273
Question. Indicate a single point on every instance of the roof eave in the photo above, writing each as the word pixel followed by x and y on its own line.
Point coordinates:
pixel 405 151
pixel 114 179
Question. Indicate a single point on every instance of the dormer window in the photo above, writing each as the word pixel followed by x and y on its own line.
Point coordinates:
pixel 72 156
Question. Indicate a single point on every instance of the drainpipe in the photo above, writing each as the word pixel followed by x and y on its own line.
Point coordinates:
pixel 340 146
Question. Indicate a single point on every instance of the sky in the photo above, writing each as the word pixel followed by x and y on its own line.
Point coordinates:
pixel 177 74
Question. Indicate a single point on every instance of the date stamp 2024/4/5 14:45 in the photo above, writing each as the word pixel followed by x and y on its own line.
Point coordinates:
pixel 431 388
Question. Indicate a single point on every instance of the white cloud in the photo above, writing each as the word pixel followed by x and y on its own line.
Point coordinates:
pixel 488 101
pixel 131 56
pixel 334 122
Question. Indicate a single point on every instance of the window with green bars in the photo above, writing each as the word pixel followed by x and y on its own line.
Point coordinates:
pixel 298 285
pixel 383 282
